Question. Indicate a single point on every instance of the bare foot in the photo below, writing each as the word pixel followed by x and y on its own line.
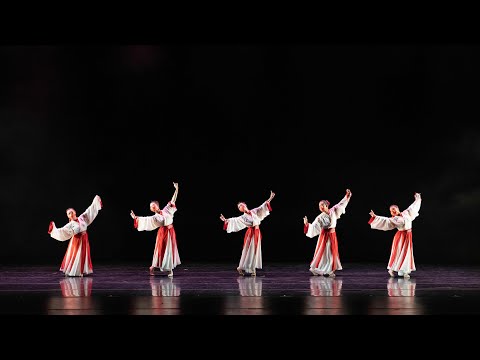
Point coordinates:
pixel 171 274
pixel 240 271
pixel 406 276
pixel 331 274
pixel 390 272
pixel 152 269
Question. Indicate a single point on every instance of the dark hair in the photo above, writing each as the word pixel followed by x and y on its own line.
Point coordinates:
pixel 241 202
pixel 395 206
pixel 156 202
pixel 326 202
pixel 70 208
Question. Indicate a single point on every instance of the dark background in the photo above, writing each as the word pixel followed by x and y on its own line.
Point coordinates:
pixel 231 122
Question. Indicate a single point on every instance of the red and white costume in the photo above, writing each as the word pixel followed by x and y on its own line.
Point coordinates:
pixel 251 258
pixel 77 260
pixel 401 255
pixel 326 258
pixel 165 255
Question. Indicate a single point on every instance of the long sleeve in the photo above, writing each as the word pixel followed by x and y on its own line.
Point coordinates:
pixel 235 224
pixel 62 234
pixel 92 211
pixel 263 210
pixel 148 223
pixel 170 208
pixel 339 208
pixel 314 229
pixel 385 223
pixel 413 210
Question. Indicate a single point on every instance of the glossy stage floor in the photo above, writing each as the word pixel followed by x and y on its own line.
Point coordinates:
pixel 217 289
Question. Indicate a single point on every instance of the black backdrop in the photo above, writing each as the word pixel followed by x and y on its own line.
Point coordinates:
pixel 231 122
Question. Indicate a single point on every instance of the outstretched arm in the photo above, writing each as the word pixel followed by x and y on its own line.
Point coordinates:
pixel 174 197
pixel 233 224
pixel 384 223
pixel 61 234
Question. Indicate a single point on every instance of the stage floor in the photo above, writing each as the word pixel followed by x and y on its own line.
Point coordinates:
pixel 217 289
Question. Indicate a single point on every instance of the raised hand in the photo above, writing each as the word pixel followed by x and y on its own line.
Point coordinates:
pixel 349 193
pixel 132 214
pixel 417 196
pixel 305 220
pixel 372 214
pixel 272 195
pixel 222 218
pixel 175 185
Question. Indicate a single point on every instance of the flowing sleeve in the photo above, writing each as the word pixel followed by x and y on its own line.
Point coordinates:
pixel 148 223
pixel 234 224
pixel 170 208
pixel 92 211
pixel 413 210
pixel 61 234
pixel 385 223
pixel 263 210
pixel 322 221
pixel 339 208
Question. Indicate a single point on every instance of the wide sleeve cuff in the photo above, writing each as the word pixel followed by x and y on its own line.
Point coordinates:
pixel 50 227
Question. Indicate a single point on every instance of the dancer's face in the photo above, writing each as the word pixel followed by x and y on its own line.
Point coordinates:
pixel 242 207
pixel 71 214
pixel 394 210
pixel 323 206
pixel 154 207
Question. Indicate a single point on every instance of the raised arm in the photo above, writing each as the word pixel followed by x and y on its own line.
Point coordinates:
pixel 413 210
pixel 339 208
pixel 174 197
pixel 92 211
pixel 263 210
pixel 272 195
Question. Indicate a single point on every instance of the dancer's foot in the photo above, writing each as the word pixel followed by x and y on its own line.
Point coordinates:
pixel 313 272
pixel 170 275
pixel 390 272
pixel 331 274
pixel 152 269
pixel 254 273
pixel 240 271
pixel 406 276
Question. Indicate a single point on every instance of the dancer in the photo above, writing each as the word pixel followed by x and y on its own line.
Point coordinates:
pixel 326 259
pixel 251 258
pixel 401 254
pixel 77 260
pixel 165 255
